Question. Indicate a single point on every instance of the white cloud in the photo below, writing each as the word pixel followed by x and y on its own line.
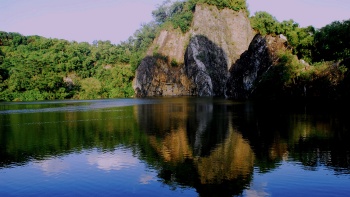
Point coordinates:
pixel 52 166
pixel 112 161
pixel 257 190
pixel 146 179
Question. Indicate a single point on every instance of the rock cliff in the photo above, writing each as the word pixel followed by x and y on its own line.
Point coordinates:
pixel 218 56
pixel 253 63
pixel 195 63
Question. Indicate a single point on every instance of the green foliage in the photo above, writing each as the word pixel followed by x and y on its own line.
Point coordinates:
pixel 332 42
pixel 90 88
pixel 115 81
pixel 182 21
pixel 265 23
pixel 167 11
pixel 174 63
pixel 301 39
pixel 35 68
pixel 231 4
pixel 180 13
pixel 140 42
pixel 2 57
pixel 291 78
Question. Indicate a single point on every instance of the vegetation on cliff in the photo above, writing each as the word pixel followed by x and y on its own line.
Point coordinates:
pixel 316 71
pixel 180 13
pixel 330 43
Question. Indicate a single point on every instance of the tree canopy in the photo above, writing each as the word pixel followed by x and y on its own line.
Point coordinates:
pixel 37 68
pixel 332 42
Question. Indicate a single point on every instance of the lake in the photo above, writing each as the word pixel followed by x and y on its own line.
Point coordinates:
pixel 173 147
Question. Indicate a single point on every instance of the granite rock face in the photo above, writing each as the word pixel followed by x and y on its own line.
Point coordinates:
pixel 156 77
pixel 218 56
pixel 248 70
pixel 228 30
pixel 206 67
pixel 195 63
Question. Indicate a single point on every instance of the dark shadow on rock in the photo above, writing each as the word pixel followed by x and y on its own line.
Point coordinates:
pixel 204 72
pixel 144 76
pixel 253 63
pixel 206 67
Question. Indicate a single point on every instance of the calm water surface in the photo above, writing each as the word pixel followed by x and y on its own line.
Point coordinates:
pixel 173 147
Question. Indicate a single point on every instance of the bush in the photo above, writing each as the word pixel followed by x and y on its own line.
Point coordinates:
pixel 174 63
pixel 333 42
pixel 301 39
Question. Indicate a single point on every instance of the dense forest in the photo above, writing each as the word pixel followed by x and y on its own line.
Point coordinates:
pixel 38 68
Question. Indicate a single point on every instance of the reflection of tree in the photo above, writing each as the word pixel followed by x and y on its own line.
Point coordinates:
pixel 311 135
pixel 25 137
pixel 315 151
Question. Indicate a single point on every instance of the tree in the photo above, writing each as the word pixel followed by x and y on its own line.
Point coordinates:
pixel 90 88
pixel 332 42
pixel 265 23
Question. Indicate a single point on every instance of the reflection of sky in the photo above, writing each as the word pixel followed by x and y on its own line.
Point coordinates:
pixel 86 173
pixel 291 179
pixel 116 160
pixel 120 173
pixel 256 190
pixel 52 166
pixel 72 106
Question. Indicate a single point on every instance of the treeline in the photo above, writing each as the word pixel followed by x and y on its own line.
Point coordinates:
pixel 38 68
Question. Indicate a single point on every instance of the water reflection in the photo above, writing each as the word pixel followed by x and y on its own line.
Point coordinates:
pixel 116 160
pixel 311 134
pixel 52 166
pixel 214 146
pixel 198 145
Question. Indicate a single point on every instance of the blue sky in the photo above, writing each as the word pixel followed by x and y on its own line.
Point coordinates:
pixel 116 20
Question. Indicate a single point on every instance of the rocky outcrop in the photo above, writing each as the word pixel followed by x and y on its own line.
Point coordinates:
pixel 156 77
pixel 195 63
pixel 206 67
pixel 218 56
pixel 229 30
pixel 248 70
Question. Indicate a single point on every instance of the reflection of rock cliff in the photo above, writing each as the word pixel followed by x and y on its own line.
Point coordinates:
pixel 230 160
pixel 198 136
